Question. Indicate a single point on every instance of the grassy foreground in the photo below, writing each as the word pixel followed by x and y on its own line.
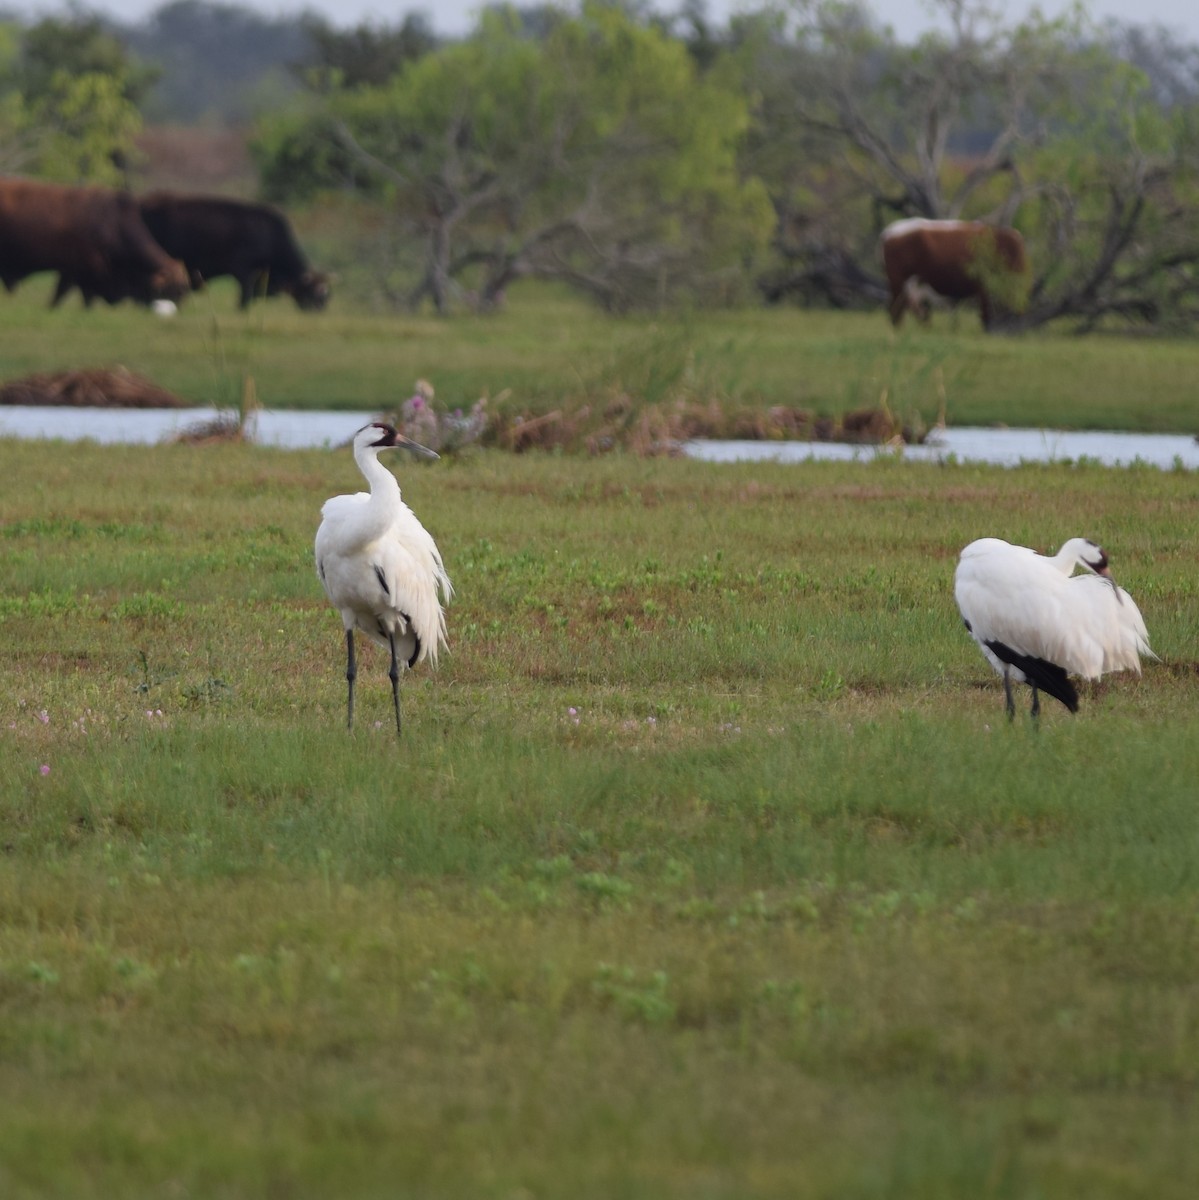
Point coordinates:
pixel 708 865
pixel 549 351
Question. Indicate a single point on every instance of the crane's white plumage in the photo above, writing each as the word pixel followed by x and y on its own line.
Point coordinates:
pixel 1037 623
pixel 380 567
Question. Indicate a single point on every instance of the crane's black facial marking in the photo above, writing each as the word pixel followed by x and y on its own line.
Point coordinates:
pixel 1098 563
pixel 382 579
pixel 387 434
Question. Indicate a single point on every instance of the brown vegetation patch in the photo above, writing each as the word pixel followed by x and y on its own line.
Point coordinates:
pixel 223 428
pixel 94 387
pixel 233 426
pixel 660 429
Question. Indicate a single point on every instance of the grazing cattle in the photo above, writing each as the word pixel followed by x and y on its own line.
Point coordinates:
pixel 93 237
pixel 956 260
pixel 254 243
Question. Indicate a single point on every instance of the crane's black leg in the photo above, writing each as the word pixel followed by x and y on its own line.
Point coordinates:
pixel 1007 691
pixel 351 675
pixel 1036 702
pixel 394 675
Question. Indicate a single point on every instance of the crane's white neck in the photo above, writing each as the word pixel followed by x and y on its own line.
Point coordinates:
pixel 1066 558
pixel 385 490
pixel 1072 554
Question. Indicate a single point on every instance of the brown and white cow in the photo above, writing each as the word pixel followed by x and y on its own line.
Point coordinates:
pixel 92 236
pixel 957 260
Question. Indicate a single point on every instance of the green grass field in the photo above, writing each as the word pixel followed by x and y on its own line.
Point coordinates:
pixel 708 866
pixel 549 351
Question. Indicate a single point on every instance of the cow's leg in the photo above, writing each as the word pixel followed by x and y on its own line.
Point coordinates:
pixel 899 304
pixel 984 308
pixel 254 286
pixel 916 297
pixel 62 289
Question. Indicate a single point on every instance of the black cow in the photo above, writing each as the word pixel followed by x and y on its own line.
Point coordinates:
pixel 92 236
pixel 214 236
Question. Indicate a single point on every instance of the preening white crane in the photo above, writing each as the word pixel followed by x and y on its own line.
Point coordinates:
pixel 1037 623
pixel 380 567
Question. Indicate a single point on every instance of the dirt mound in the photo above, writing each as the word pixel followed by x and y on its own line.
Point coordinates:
pixel 98 387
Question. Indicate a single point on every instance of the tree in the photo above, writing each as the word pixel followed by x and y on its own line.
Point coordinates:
pixel 78 45
pixel 593 155
pixel 86 129
pixel 68 100
pixel 365 56
pixel 17 149
pixel 219 60
pixel 1038 124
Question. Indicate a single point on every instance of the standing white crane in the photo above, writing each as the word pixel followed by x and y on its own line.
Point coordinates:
pixel 380 567
pixel 1037 623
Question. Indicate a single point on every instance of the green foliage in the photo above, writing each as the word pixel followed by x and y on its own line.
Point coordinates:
pixel 69 93
pixel 18 132
pixel 367 55
pixel 1114 190
pixel 86 129
pixel 1044 124
pixel 78 45
pixel 596 155
pixel 298 155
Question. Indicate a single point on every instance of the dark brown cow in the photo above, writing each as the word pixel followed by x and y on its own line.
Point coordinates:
pixel 92 236
pixel 954 259
pixel 215 235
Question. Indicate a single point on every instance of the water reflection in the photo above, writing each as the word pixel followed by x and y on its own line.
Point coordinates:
pixel 300 430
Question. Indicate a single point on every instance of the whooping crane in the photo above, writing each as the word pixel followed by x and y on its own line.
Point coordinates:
pixel 380 567
pixel 1037 623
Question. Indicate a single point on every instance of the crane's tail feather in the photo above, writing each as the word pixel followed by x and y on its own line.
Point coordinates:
pixel 1046 676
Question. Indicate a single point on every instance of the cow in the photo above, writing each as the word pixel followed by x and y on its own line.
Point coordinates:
pixel 215 235
pixel 92 236
pixel 956 260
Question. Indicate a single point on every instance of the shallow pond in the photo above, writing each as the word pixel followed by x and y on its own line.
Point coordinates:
pixel 140 426
pixel 298 430
pixel 1001 447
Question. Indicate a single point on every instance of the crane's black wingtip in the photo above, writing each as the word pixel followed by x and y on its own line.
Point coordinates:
pixel 1045 676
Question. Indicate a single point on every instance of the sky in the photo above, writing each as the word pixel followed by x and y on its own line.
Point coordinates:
pixel 909 18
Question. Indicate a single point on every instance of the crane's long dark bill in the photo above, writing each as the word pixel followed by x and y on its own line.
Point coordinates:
pixel 415 448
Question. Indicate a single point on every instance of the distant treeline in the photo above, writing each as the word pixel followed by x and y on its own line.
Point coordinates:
pixel 228 62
